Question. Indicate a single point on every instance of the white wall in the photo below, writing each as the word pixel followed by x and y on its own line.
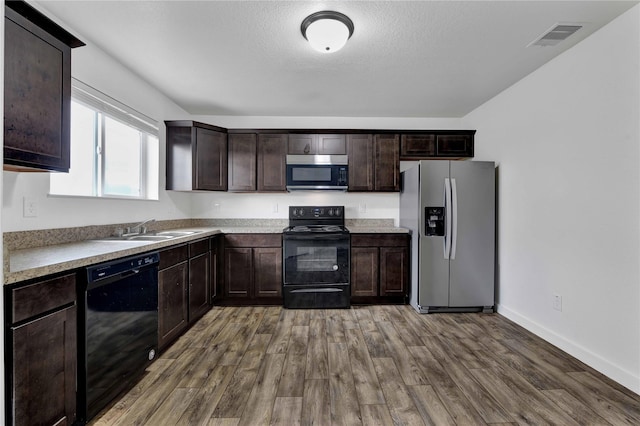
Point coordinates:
pixel 566 140
pixel 95 68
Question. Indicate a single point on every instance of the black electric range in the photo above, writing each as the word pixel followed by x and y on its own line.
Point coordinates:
pixel 316 254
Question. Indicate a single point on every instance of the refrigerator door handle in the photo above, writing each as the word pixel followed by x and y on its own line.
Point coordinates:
pixel 454 213
pixel 447 209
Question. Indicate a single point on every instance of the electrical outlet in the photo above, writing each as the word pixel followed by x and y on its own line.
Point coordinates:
pixel 362 208
pixel 29 207
pixel 557 302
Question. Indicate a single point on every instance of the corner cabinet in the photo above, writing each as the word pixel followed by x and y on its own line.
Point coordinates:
pixel 41 352
pixel 196 156
pixel 449 144
pixel 374 162
pixel 380 268
pixel 37 91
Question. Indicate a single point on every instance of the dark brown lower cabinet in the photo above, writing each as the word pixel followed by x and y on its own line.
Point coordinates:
pixel 184 288
pixel 214 272
pixel 41 355
pixel 253 268
pixel 199 279
pixel 379 268
pixel 173 285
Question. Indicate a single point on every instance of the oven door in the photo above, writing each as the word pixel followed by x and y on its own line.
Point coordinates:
pixel 311 259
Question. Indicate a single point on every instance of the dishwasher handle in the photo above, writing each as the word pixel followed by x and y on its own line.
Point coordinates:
pixel 121 267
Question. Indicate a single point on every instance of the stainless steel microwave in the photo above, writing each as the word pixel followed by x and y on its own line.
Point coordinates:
pixel 317 172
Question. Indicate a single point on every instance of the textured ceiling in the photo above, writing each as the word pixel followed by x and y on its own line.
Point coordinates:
pixel 405 59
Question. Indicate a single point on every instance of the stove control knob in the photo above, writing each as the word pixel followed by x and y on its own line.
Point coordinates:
pixel 330 212
pixel 301 212
pixel 337 211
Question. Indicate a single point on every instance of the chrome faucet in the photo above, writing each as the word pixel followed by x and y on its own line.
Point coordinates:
pixel 140 227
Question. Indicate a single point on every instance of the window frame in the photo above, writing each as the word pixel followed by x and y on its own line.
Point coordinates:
pixel 104 106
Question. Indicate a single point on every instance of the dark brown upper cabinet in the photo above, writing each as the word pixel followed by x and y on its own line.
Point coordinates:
pixel 242 162
pixel 196 156
pixel 386 154
pixel 272 152
pixel 37 91
pixel 374 162
pixel 442 144
pixel 317 144
pixel 257 162
pixel 361 172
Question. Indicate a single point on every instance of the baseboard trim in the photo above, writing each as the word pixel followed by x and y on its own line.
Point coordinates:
pixel 595 361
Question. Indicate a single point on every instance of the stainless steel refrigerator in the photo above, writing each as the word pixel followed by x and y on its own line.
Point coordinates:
pixel 449 206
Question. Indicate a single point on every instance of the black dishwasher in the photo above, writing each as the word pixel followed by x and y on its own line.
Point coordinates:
pixel 117 328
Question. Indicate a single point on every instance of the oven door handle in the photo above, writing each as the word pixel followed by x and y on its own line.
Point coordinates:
pixel 317 236
pixel 317 290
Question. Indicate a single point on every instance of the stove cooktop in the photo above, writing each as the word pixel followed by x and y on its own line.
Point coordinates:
pixel 315 228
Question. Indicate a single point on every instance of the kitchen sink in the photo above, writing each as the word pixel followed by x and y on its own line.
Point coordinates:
pixel 149 237
pixel 154 236
pixel 174 234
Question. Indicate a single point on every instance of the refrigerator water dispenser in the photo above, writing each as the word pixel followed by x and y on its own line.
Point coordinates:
pixel 434 221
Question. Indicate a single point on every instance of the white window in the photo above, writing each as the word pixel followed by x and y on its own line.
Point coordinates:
pixel 114 149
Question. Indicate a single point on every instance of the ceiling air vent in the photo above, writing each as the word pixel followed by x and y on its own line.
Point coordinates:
pixel 557 33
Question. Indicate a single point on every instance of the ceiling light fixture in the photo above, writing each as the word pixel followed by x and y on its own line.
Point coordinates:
pixel 327 31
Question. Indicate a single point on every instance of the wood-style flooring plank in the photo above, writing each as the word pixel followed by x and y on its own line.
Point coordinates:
pixel 206 400
pixel 344 402
pixel 401 407
pixel 574 408
pixel 263 394
pixel 295 363
pixel 287 411
pixel 316 405
pixel 432 410
pixel 404 361
pixel 364 373
pixel 459 407
pixel 173 407
pixel 233 401
pixel 376 415
pixel 317 366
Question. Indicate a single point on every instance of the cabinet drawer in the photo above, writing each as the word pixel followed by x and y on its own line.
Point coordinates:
pixel 43 296
pixel 198 247
pixel 173 256
pixel 253 240
pixel 379 240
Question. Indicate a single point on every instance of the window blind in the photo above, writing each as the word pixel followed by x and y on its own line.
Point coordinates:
pixel 93 98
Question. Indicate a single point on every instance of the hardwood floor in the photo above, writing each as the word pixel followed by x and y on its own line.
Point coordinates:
pixel 373 365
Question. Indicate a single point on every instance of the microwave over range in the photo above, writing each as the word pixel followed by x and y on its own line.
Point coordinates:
pixel 315 172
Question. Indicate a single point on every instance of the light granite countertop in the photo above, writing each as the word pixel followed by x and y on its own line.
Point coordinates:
pixel 26 257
